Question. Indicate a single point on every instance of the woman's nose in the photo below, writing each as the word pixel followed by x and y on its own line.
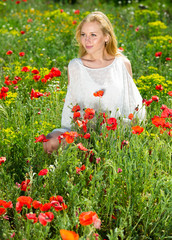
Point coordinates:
pixel 87 38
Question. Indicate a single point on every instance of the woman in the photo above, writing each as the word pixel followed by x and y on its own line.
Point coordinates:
pixel 100 67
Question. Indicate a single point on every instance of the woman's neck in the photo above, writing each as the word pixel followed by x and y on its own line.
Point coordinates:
pixel 93 61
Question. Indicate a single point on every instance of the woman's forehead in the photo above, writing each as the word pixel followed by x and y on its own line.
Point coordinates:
pixel 91 27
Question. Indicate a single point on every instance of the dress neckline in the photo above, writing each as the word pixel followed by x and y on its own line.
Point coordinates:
pixel 80 61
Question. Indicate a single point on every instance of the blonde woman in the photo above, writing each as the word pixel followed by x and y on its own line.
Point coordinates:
pixel 100 66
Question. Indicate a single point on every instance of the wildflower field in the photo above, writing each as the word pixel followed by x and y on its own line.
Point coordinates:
pixel 108 182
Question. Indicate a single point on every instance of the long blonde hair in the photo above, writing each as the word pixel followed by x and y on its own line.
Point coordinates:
pixel 107 29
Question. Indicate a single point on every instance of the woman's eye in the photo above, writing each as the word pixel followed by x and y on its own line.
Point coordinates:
pixel 82 34
pixel 93 35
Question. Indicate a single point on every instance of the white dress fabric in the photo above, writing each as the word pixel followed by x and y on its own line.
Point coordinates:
pixel 120 98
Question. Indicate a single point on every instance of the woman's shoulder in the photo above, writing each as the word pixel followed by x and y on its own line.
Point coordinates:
pixel 122 59
pixel 73 62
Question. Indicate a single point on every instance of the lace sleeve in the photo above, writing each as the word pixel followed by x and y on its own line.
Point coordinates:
pixel 70 99
pixel 67 113
pixel 132 98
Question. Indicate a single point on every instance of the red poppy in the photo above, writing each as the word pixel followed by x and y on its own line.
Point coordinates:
pixel 57 198
pixel 78 170
pixel 22 32
pixel 35 94
pixel 137 108
pixel 43 172
pixel 19 206
pixel 12 235
pixel 2 160
pixel 48 76
pixel 170 133
pixel 81 147
pixel 41 138
pixel 3 95
pixel 124 143
pixel 130 116
pixel 155 98
pixel 68 235
pixel 56 205
pixel 89 113
pixel 87 136
pixel 32 216
pixel 166 113
pixel 4 89
pixel 7 81
pixel 168 59
pixel 47 94
pixel 87 218
pixel 9 52
pixel 17 2
pixel 61 10
pixel 36 78
pixel 24 185
pixel 21 54
pixel 113 124
pixel 30 20
pixel 168 125
pixel 69 136
pixel 83 168
pixel 119 170
pixel 56 72
pixel 74 22
pixel 137 130
pixel 17 78
pixel 137 29
pixel 76 108
pixel 82 124
pixel 163 107
pixel 104 118
pixel 147 103
pixel 25 69
pixel 14 82
pixel 121 49
pixel 24 200
pixel 45 207
pixel 45 217
pixel 2 211
pixel 170 93
pixel 113 217
pixel 6 204
pixel 158 54
pixel 76 115
pixel 159 87
pixel 35 71
pixel 158 121
pixel 77 11
pixel 98 93
pixel 64 206
pixel 36 204
pixel 43 80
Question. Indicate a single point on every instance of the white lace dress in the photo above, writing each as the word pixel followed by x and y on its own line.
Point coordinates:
pixel 120 98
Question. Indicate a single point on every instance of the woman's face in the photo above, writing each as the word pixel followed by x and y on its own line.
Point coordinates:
pixel 92 38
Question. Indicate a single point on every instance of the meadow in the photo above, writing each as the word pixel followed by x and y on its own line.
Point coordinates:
pixel 111 182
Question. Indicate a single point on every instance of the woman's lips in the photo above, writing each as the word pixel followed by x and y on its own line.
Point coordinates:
pixel 88 47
